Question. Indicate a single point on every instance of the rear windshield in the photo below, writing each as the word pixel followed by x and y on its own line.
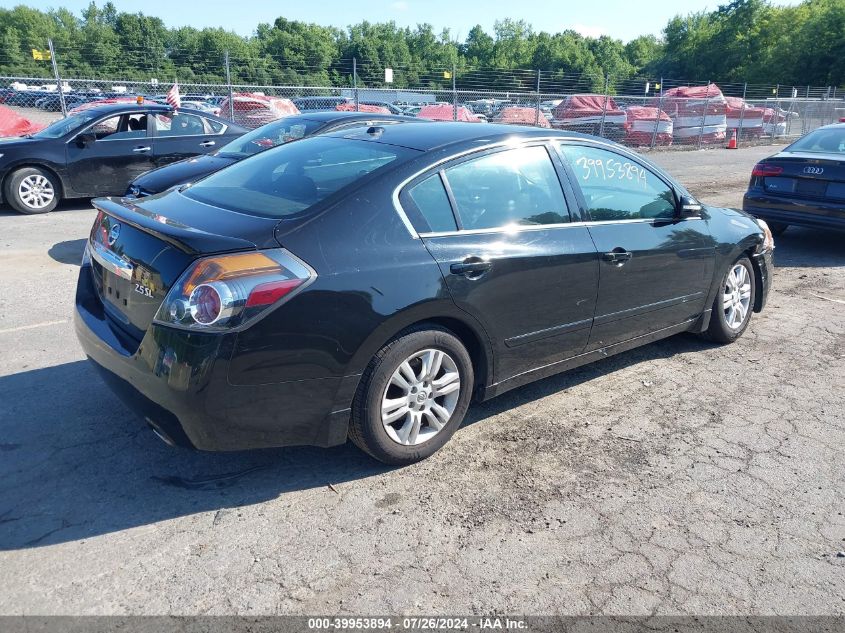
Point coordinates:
pixel 278 132
pixel 288 179
pixel 826 141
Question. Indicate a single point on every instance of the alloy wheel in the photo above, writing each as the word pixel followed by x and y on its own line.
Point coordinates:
pixel 36 191
pixel 420 397
pixel 736 300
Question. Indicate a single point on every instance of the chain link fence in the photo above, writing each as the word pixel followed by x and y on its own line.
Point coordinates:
pixel 638 112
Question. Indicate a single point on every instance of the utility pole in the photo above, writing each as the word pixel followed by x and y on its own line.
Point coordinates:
pixel 454 95
pixel 355 81
pixel 229 85
pixel 58 79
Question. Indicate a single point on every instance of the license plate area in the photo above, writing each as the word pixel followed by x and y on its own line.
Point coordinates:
pixel 811 187
pixel 779 185
pixel 116 291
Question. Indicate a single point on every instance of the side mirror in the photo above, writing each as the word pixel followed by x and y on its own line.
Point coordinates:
pixel 688 207
pixel 86 139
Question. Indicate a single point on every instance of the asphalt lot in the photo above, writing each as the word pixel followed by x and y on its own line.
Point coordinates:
pixel 679 478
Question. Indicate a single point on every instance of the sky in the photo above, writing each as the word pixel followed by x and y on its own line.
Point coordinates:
pixel 621 19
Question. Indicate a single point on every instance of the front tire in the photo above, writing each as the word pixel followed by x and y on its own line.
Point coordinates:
pixel 32 190
pixel 412 397
pixel 734 303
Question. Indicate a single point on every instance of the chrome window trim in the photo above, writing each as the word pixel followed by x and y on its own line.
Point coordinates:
pixel 515 228
pixel 126 138
pixel 539 227
pixel 188 136
pixel 482 148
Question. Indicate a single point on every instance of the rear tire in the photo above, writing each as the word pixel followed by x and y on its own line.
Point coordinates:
pixel 32 190
pixel 734 303
pixel 412 397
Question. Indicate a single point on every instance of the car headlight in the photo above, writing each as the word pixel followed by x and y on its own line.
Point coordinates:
pixel 768 240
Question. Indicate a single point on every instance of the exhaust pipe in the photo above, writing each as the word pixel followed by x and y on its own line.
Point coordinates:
pixel 164 437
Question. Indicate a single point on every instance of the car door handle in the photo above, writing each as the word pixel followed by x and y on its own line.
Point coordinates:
pixel 472 268
pixel 208 143
pixel 142 149
pixel 617 256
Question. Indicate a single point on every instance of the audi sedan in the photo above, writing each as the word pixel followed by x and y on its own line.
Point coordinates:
pixel 284 130
pixel 802 185
pixel 97 151
pixel 370 284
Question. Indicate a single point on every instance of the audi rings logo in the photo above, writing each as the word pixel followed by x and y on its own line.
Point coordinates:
pixel 814 170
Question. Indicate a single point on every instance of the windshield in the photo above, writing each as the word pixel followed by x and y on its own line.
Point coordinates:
pixel 64 126
pixel 822 141
pixel 289 179
pixel 276 133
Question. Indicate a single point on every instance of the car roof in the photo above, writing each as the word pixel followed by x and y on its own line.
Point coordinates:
pixel 444 133
pixel 326 116
pixel 150 106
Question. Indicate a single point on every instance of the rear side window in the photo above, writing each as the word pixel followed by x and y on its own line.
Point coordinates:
pixel 617 188
pixel 517 186
pixel 431 201
pixel 182 124
pixel 288 179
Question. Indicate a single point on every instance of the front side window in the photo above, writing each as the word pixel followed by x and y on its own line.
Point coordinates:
pixel 286 180
pixel 617 188
pixel 120 127
pixel 511 187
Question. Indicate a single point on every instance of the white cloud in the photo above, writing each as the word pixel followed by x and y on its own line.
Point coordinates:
pixel 399 5
pixel 589 31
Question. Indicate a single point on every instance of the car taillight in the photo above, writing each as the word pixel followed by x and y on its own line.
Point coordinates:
pixel 765 169
pixel 224 292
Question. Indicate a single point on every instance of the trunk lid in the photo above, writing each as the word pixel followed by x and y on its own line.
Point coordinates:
pixel 139 249
pixel 807 175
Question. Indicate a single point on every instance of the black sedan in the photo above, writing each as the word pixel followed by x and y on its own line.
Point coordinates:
pixel 803 185
pixel 282 131
pixel 370 283
pixel 98 151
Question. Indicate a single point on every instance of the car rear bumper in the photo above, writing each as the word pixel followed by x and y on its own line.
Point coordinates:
pixel 177 381
pixel 814 214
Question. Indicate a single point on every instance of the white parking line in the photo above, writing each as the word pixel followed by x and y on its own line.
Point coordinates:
pixel 33 326
pixel 829 299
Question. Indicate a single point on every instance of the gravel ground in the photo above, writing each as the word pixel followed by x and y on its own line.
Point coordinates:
pixel 679 478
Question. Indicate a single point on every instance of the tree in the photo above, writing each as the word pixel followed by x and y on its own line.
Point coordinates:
pixel 743 40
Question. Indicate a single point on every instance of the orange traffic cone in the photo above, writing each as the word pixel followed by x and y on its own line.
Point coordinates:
pixel 732 142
